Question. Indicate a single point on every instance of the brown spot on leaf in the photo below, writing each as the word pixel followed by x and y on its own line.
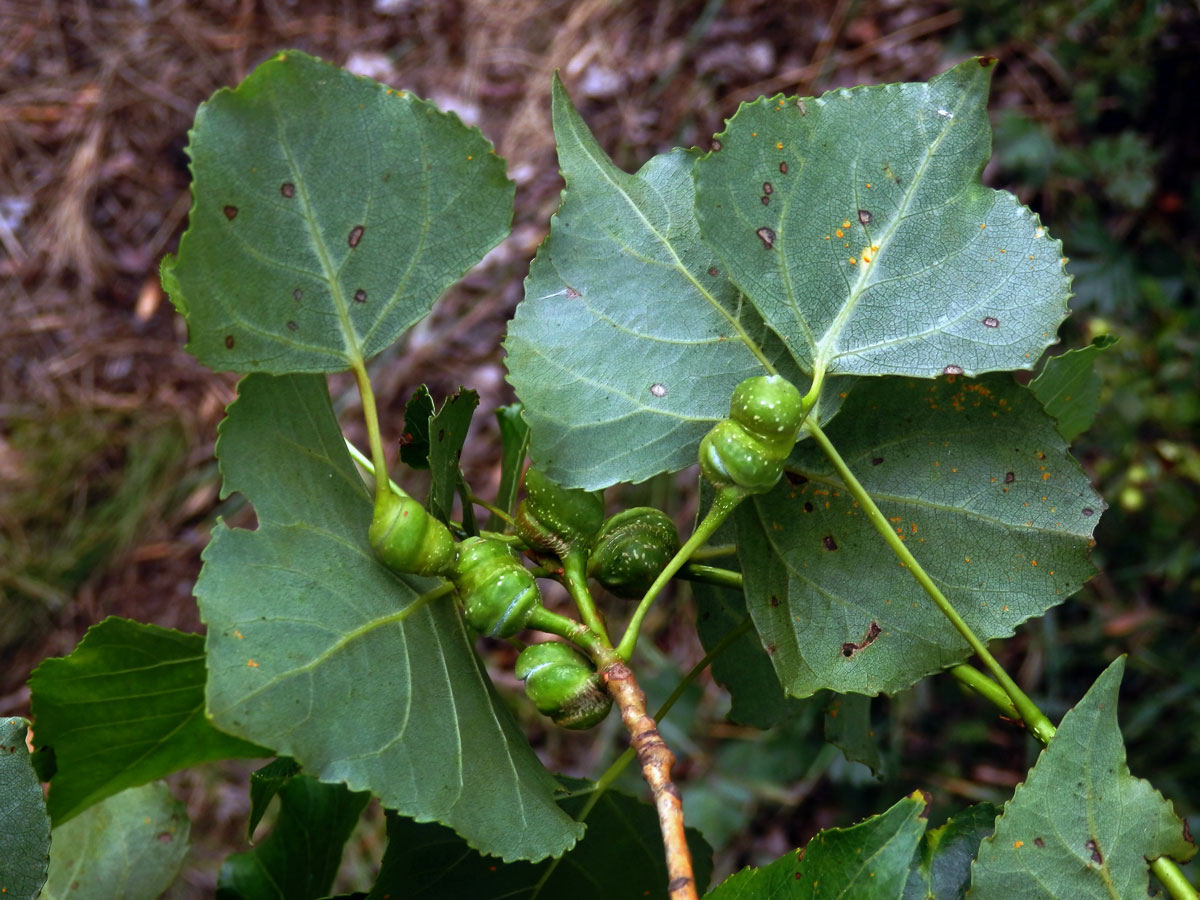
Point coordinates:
pixel 355 236
pixel 1094 851
pixel 1010 477
pixel 774 600
pixel 1088 511
pixel 287 189
pixel 573 294
pixel 1038 842
pixel 768 188
pixel 360 296
pixel 864 217
pixel 714 271
pixel 297 294
pixel 783 168
pixel 828 542
pixel 229 341
pixel 767 236
pixel 766 201
pixel 230 212
pixel 877 460
pixel 849 649
pixel 292 326
pixel 716 146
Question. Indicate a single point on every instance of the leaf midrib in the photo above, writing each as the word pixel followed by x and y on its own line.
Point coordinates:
pixel 824 350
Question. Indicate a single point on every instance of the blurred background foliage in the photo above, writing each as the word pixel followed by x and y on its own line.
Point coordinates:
pixel 107 484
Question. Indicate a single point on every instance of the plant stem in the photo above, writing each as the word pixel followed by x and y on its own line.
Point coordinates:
pixel 656 760
pixel 724 502
pixel 371 416
pixel 613 772
pixel 470 526
pixel 711 575
pixel 1035 720
pixel 575 579
pixel 713 552
pixel 493 509
pixel 577 633
pixel 985 687
pixel 1173 879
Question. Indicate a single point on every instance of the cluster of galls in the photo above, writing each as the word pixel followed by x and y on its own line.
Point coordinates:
pixel 625 553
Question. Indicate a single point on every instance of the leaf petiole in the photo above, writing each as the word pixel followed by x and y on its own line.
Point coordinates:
pixel 1035 720
pixel 724 502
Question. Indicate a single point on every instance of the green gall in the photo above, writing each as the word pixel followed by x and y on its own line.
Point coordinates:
pixel 555 518
pixel 563 685
pixel 748 449
pixel 631 549
pixel 408 539
pixel 498 593
pixel 770 408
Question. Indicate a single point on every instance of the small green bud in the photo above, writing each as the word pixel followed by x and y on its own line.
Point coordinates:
pixel 563 685
pixel 408 539
pixel 498 593
pixel 631 549
pixel 555 518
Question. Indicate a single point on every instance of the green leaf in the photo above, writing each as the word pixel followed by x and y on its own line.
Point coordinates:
pixel 848 727
pixel 973 476
pixel 855 223
pixel 414 452
pixel 330 213
pixel 743 668
pixel 942 866
pixel 868 861
pixel 130 845
pixel 447 434
pixel 125 708
pixel 514 445
pixel 264 785
pixel 301 856
pixel 24 824
pixel 620 856
pixel 1069 388
pixel 630 340
pixel 314 648
pixel 1081 826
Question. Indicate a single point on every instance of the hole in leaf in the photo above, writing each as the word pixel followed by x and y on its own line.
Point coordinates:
pixel 828 542
pixel 287 189
pixel 360 296
pixel 864 217
pixel 356 234
pixel 767 236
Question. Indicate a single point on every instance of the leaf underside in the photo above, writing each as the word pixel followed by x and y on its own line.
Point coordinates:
pixel 330 213
pixel 311 652
pixel 977 482
pixel 630 339
pixel 130 845
pixel 856 225
pixel 24 824
pixel 1081 825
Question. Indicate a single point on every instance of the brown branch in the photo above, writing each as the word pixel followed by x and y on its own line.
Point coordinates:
pixel 656 760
